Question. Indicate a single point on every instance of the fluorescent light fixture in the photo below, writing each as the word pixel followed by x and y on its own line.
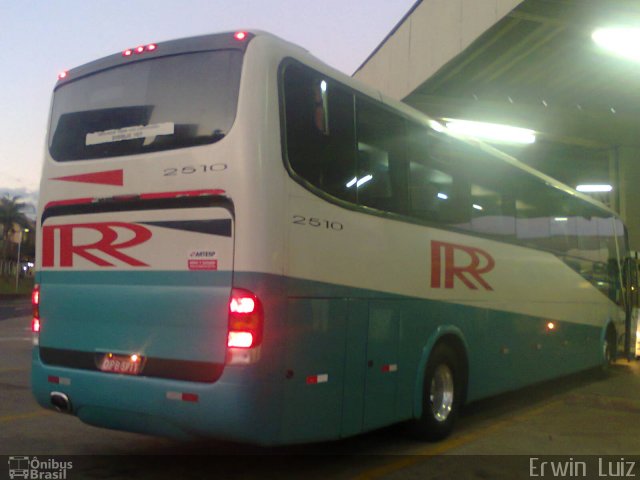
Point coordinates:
pixel 594 188
pixel 443 196
pixel 437 126
pixel 561 219
pixel 364 180
pixel 622 42
pixel 492 131
pixel 478 207
pixel 360 182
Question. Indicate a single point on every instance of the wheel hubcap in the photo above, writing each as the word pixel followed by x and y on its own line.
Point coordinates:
pixel 441 393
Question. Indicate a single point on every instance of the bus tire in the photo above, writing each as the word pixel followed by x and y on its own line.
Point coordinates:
pixel 442 394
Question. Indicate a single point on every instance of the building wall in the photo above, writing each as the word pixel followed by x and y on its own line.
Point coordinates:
pixel 434 33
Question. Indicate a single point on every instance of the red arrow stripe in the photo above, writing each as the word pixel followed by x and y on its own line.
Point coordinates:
pixel 111 177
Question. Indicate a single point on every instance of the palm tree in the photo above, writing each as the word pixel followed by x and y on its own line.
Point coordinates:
pixel 10 215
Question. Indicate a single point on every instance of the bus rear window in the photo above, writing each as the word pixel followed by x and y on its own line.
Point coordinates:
pixel 164 103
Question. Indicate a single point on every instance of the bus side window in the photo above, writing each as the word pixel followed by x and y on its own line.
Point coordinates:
pixel 319 146
pixel 438 190
pixel 381 181
pixel 613 242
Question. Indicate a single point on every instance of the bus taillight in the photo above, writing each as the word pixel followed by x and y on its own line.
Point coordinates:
pixel 240 36
pixel 246 319
pixel 35 303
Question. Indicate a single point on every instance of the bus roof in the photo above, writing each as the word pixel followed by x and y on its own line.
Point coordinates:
pixel 240 39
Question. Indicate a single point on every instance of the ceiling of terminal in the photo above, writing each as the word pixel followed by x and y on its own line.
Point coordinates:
pixel 538 68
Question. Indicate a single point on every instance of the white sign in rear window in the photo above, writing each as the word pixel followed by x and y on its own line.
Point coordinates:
pixel 129 133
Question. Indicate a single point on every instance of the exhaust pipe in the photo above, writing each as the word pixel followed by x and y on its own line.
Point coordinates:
pixel 60 402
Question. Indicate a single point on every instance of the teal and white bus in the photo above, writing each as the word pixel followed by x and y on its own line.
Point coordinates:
pixel 237 241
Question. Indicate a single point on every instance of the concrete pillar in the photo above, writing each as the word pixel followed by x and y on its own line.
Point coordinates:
pixel 628 159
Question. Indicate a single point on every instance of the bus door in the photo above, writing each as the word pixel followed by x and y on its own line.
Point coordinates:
pixel 382 365
pixel 630 288
pixel 137 287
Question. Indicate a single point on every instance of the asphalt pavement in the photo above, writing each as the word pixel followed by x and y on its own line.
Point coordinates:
pixel 575 419
pixel 12 306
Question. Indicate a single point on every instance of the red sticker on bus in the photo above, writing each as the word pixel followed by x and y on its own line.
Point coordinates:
pixel 203 264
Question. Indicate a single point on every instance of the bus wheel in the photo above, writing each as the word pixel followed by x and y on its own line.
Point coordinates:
pixel 441 394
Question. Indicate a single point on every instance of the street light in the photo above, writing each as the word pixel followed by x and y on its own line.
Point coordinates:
pixel 26 230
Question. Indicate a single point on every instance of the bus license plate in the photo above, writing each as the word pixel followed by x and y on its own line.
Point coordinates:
pixel 120 364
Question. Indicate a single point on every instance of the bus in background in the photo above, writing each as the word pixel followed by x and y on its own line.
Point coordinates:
pixel 632 274
pixel 237 241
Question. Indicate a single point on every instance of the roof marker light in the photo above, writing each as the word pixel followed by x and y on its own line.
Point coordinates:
pixel 63 75
pixel 240 36
pixel 140 49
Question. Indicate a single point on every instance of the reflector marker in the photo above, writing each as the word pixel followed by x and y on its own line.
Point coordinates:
pixel 184 397
pixel 59 380
pixel 393 367
pixel 315 379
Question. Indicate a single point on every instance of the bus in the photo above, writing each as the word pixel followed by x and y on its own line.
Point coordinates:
pixel 237 241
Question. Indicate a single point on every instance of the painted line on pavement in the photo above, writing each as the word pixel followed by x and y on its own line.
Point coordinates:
pixel 417 456
pixel 25 317
pixel 24 416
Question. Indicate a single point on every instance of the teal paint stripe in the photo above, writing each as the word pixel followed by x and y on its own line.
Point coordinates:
pixel 323 329
pixel 150 278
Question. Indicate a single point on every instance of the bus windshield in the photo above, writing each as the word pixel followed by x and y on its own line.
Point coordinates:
pixel 159 104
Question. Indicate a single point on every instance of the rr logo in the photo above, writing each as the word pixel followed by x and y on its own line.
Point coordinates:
pixel 107 244
pixel 467 273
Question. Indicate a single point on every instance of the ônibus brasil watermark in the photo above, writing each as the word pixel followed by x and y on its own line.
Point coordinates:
pixel 32 468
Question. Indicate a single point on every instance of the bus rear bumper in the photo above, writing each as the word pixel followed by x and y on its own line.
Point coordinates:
pixel 175 409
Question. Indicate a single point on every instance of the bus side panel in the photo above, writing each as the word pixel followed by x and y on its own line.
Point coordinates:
pixel 355 361
pixel 416 278
pixel 509 351
pixel 315 349
pixel 382 363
